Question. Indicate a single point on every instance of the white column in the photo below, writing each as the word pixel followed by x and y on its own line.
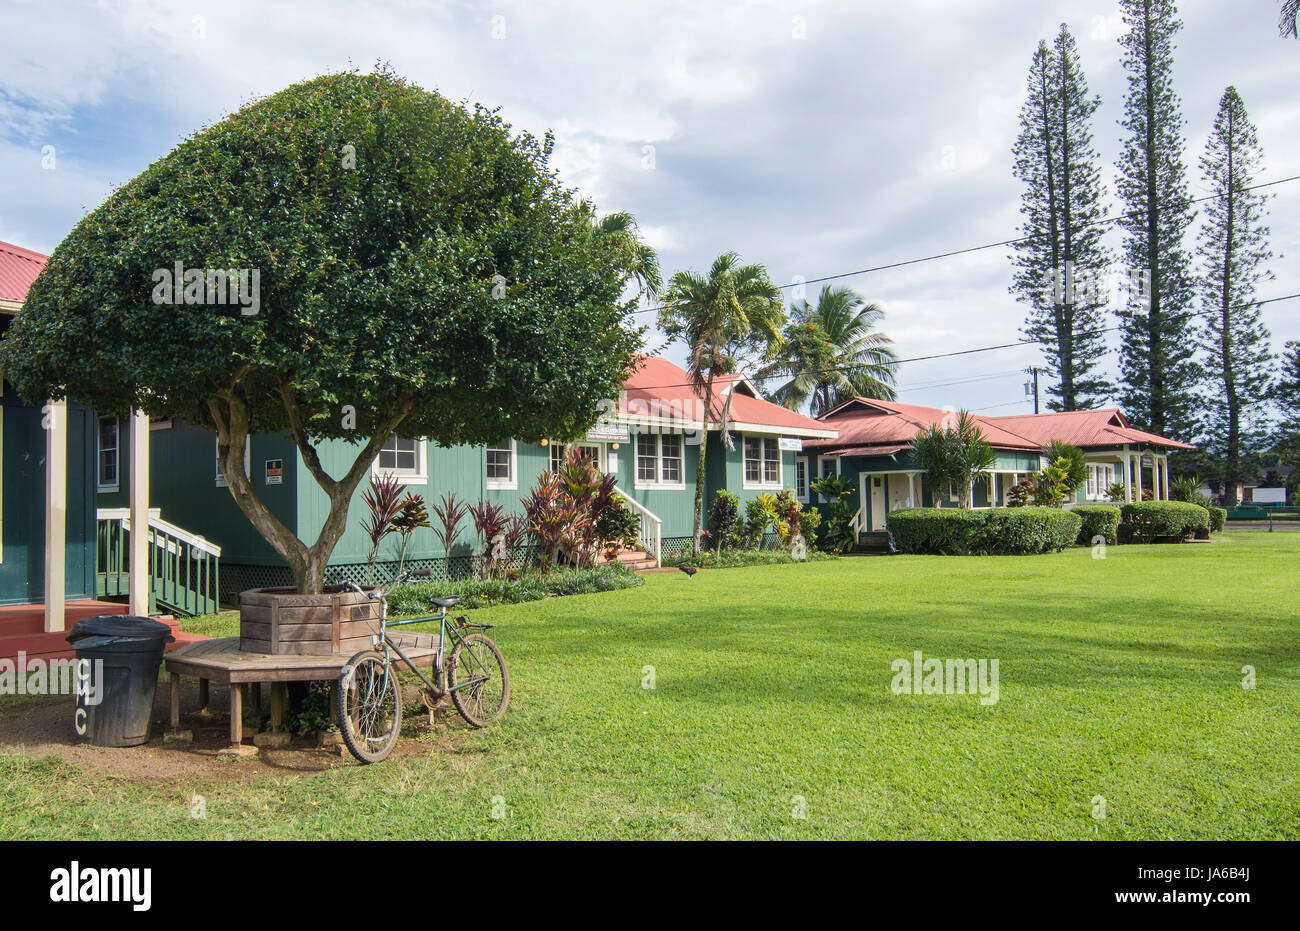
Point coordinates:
pixel 54 420
pixel 1164 471
pixel 139 600
pixel 1127 460
pixel 915 488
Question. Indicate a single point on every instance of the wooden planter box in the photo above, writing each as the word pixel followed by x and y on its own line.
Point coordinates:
pixel 279 620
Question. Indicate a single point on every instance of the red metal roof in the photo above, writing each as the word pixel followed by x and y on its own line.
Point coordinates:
pixel 18 269
pixel 658 387
pixel 867 423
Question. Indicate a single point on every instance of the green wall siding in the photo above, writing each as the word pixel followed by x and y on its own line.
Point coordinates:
pixel 22 497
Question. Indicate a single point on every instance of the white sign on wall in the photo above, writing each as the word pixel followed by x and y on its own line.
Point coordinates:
pixel 792 443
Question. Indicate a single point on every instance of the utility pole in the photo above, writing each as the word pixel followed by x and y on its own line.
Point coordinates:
pixel 1033 388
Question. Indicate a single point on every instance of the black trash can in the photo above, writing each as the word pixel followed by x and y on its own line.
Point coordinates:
pixel 116 676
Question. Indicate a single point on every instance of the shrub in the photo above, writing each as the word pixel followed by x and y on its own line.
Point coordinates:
pixel 1099 520
pixel 1020 493
pixel 1218 518
pixel 1153 521
pixel 1029 530
pixel 1000 531
pixel 731 559
pixel 760 513
pixel 838 535
pixel 514 588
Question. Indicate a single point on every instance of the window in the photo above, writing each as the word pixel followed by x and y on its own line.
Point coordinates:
pixel 659 460
pixel 557 456
pixel 501 465
pixel 801 479
pixel 403 458
pixel 762 461
pixel 108 459
pixel 248 454
pixel 828 465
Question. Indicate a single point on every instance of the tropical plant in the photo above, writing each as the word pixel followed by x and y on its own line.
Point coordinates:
pixel 1289 19
pixel 406 260
pixel 490 522
pixel 1076 464
pixel 617 526
pixel 833 352
pixel 619 232
pixel 1052 484
pixel 760 513
pixel 733 311
pixel 1019 495
pixel 835 489
pixel 789 517
pixel 953 455
pixel 1116 493
pixel 724 513
pixel 383 502
pixel 411 516
pixel 450 511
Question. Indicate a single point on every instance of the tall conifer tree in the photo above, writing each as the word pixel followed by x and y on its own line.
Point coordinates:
pixel 1061 262
pixel 1233 251
pixel 1157 347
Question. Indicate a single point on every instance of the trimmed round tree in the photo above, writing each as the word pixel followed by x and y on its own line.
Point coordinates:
pixel 351 256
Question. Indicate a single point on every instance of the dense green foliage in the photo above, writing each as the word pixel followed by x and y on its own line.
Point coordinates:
pixel 1218 519
pixel 953 455
pixel 730 559
pixel 996 531
pixel 1156 521
pixel 1098 520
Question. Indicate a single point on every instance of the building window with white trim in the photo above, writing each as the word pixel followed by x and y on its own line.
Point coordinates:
pixel 801 479
pixel 762 455
pixel 402 458
pixel 108 455
pixel 501 465
pixel 248 458
pixel 659 461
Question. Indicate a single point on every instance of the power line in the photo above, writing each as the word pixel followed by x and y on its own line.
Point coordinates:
pixel 965 352
pixel 990 245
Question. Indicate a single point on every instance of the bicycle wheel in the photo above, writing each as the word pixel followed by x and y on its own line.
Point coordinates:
pixel 369 706
pixel 479 680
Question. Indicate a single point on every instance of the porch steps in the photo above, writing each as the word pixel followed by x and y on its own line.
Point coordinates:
pixel 873 542
pixel 22 629
pixel 636 559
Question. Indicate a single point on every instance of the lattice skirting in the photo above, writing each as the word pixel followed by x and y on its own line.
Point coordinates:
pixel 236 578
pixel 677 546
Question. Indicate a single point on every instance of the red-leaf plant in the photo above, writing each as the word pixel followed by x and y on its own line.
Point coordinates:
pixel 490 520
pixel 383 500
pixel 450 511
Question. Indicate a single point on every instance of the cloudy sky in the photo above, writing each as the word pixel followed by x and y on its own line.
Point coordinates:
pixel 815 137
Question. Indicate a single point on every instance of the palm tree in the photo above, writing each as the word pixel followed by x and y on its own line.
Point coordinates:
pixel 832 353
pixel 1290 15
pixel 734 309
pixel 954 454
pixel 638 259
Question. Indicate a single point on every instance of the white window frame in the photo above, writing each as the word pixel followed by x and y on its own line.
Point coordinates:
pixel 418 476
pixel 807 483
pixel 821 473
pixel 503 484
pixel 658 482
pixel 220 480
pixel 100 484
pixel 780 462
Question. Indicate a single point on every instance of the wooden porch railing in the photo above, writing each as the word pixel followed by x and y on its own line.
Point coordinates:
pixel 650 532
pixel 184 568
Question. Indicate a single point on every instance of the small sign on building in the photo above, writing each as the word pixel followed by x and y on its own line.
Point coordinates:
pixel 274 471
pixel 792 443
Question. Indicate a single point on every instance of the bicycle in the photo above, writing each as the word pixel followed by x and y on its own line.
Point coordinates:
pixel 369 698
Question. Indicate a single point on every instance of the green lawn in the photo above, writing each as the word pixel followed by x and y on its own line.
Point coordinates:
pixel 1119 678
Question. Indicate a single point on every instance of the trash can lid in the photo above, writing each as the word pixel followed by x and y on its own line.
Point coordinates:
pixel 120 627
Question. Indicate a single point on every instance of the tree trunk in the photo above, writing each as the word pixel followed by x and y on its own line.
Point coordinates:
pixel 699 466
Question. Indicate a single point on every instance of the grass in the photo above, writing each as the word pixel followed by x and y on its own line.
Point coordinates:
pixel 1120 678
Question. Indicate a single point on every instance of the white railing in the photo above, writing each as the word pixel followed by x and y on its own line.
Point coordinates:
pixel 650 528
pixel 157 524
pixel 855 523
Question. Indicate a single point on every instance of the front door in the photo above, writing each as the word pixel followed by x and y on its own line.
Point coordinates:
pixel 878 510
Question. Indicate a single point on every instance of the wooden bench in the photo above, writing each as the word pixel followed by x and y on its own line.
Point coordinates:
pixel 222 661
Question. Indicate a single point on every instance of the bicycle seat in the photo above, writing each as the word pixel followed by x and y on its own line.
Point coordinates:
pixel 446 602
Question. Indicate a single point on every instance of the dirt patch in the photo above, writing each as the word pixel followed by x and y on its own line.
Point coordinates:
pixel 42 727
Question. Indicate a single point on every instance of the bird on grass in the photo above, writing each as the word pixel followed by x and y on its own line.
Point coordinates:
pixel 689 570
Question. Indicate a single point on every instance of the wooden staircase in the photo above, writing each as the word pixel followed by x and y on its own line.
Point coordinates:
pixel 22 629
pixel 873 542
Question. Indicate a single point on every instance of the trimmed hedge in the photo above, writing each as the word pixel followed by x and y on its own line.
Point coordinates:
pixel 413 598
pixel 1218 519
pixel 1099 520
pixel 999 531
pixel 1162 521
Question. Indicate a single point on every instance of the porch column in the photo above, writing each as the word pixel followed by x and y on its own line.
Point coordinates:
pixel 914 487
pixel 1126 460
pixel 1164 472
pixel 139 579
pixel 1137 473
pixel 54 418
